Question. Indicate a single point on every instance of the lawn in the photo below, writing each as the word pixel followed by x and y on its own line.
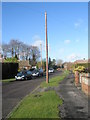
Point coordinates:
pixel 8 80
pixel 55 80
pixel 43 105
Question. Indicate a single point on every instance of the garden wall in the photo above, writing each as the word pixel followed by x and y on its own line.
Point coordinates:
pixel 84 80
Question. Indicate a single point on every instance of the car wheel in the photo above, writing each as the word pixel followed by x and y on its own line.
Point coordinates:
pixel 30 77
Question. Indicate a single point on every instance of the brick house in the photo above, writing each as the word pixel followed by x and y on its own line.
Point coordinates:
pixel 68 65
pixel 81 61
pixel 24 64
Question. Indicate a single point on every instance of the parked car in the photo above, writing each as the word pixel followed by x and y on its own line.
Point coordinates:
pixel 51 70
pixel 35 73
pixel 32 69
pixel 24 75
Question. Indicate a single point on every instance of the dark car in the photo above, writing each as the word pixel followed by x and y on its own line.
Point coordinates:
pixel 24 75
pixel 35 73
pixel 32 69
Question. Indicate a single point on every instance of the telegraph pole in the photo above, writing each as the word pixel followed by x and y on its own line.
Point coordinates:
pixel 47 81
pixel 41 53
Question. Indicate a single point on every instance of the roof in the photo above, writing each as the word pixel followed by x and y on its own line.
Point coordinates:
pixel 24 63
pixel 81 61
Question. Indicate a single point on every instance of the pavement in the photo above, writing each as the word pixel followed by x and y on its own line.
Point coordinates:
pixel 14 92
pixel 75 102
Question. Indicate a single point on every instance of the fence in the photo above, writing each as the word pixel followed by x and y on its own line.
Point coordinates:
pixel 9 70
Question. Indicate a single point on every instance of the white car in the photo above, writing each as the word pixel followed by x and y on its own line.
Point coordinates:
pixel 51 70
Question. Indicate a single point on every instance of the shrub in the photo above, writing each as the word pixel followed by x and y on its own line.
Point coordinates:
pixel 10 59
pixel 80 69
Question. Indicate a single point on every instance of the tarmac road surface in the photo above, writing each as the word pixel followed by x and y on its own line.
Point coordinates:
pixel 14 92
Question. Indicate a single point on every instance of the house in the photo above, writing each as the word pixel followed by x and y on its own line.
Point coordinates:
pixel 68 65
pixel 65 65
pixel 81 61
pixel 24 64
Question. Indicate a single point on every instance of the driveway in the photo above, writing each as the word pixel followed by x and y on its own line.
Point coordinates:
pixel 75 102
pixel 14 92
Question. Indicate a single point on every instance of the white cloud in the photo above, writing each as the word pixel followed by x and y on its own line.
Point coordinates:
pixel 73 57
pixel 37 41
pixel 36 37
pixel 67 41
pixel 78 23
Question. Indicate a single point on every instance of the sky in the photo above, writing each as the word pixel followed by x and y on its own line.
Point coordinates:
pixel 67 25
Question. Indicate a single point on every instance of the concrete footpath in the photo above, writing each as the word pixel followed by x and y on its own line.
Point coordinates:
pixel 75 102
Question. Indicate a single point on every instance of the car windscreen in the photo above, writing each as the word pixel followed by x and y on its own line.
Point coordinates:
pixel 35 71
pixel 32 69
pixel 19 74
pixel 51 69
pixel 29 72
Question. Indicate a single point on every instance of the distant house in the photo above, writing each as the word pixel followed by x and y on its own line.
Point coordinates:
pixel 81 61
pixel 65 65
pixel 24 64
pixel 68 65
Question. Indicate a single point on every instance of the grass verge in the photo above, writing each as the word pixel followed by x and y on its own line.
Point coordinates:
pixel 55 80
pixel 8 80
pixel 41 104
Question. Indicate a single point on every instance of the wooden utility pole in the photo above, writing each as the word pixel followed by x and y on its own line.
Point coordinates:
pixel 47 80
pixel 41 54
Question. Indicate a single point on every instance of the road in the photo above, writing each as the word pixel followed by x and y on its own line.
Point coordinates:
pixel 14 92
pixel 75 101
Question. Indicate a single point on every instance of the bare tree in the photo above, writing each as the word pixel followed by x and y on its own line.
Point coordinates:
pixel 21 50
pixel 35 54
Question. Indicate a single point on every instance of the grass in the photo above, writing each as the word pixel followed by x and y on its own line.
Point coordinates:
pixel 55 80
pixel 8 80
pixel 40 105
pixel 44 106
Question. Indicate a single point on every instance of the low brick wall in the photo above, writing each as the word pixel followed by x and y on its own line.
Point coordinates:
pixel 86 84
pixel 76 78
pixel 83 80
